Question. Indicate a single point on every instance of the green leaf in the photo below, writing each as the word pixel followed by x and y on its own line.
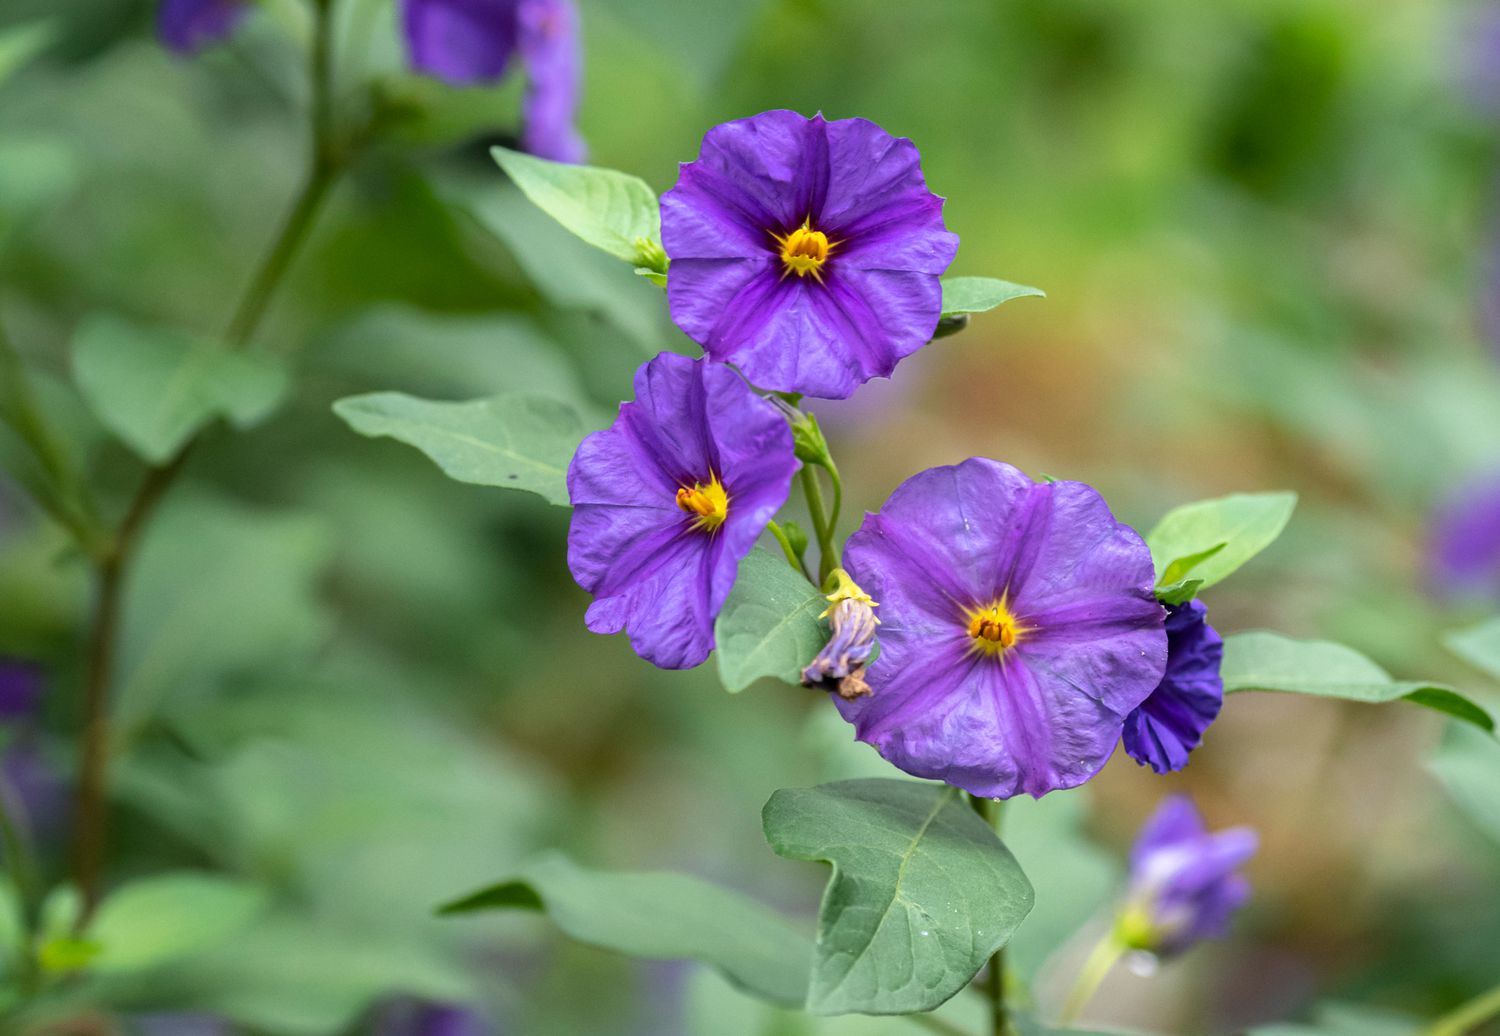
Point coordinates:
pixel 979 294
pixel 168 917
pixel 1212 538
pixel 1180 592
pixel 769 626
pixel 20 43
pixel 612 211
pixel 1478 645
pixel 1468 765
pixel 155 388
pixel 660 916
pixel 922 892
pixel 514 440
pixel 1260 661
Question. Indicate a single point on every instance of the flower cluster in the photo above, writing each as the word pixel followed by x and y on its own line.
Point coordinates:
pixel 462 43
pixel 1020 633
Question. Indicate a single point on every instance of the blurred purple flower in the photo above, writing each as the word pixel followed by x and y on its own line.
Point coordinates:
pixel 180 1023
pixel 1478 58
pixel 188 26
pixel 669 499
pixel 1183 885
pixel 461 42
pixel 1464 549
pixel 471 42
pixel 20 690
pixel 1019 628
pixel 1170 723
pixel 806 252
pixel 417 1018
pixel 552 49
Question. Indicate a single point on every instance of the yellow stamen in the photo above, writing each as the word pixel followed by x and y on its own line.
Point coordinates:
pixel 845 589
pixel 804 251
pixel 993 628
pixel 709 502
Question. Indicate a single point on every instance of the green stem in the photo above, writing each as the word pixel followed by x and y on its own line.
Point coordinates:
pixel 90 826
pixel 786 548
pixel 828 555
pixel 21 862
pixel 1477 1011
pixel 838 496
pixel 1101 960
pixel 989 811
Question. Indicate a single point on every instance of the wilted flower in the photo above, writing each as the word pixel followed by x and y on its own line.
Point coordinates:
pixel 1170 722
pixel 187 26
pixel 471 42
pixel 1019 629
pixel 669 499
pixel 1183 881
pixel 806 252
pixel 840 666
pixel 1465 542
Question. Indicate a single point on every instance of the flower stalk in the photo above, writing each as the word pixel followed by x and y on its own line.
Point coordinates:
pixel 1096 967
pixel 1467 1017
pixel 989 811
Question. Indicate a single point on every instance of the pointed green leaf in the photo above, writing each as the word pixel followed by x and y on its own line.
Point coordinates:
pixel 167 917
pixel 1211 538
pixel 1180 592
pixel 1478 645
pixel 922 892
pixel 155 388
pixel 612 211
pixel 659 916
pixel 963 295
pixel 514 440
pixel 1259 661
pixel 769 626
pixel 1468 765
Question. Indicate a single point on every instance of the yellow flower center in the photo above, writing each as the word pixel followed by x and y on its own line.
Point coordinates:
pixel 709 502
pixel 804 251
pixel 993 628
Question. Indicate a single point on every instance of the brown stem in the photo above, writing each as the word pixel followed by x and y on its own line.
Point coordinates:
pixel 92 814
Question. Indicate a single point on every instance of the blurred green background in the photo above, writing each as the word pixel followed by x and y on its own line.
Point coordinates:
pixel 1265 228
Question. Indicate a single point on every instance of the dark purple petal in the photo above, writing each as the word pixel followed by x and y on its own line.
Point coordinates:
pixel 417 1018
pixel 1170 723
pixel 1046 712
pixel 553 52
pixel 188 26
pixel 632 546
pixel 461 42
pixel 1465 541
pixel 20 690
pixel 874 299
pixel 1183 881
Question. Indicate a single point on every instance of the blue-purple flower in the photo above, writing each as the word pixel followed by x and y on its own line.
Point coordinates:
pixel 1184 881
pixel 806 252
pixel 1465 541
pixel 669 499
pixel 1018 629
pixel 1170 722
pixel 422 1018
pixel 188 26
pixel 472 42
pixel 552 50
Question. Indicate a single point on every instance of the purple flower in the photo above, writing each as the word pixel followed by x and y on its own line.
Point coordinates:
pixel 1170 723
pixel 1183 885
pixel 669 498
pixel 551 48
pixel 187 26
pixel 1019 628
pixel 20 690
pixel 1465 541
pixel 461 42
pixel 806 252
pixel 840 666
pixel 416 1018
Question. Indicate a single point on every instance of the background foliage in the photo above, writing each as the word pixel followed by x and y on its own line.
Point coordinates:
pixel 351 689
